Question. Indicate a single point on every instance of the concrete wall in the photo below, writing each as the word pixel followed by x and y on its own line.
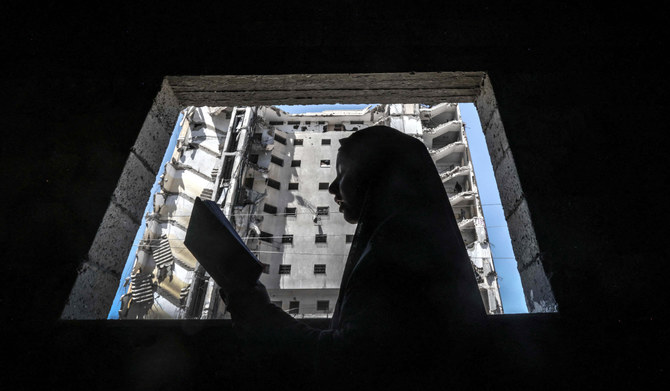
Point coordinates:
pixel 99 274
pixel 536 287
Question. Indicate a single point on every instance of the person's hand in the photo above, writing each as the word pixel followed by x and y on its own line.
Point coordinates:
pixel 244 301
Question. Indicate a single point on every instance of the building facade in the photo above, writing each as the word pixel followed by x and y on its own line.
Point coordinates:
pixel 269 171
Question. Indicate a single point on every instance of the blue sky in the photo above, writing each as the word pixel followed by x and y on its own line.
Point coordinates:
pixel 501 246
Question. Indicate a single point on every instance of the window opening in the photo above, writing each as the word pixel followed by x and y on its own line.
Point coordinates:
pixel 271 209
pixel 274 159
pixel 273 184
pixel 323 305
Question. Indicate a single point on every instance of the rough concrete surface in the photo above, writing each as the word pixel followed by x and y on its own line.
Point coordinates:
pixel 522 234
pixel 134 187
pixel 92 294
pixel 496 140
pixel 509 187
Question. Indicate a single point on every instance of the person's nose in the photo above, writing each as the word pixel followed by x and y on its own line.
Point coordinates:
pixel 334 188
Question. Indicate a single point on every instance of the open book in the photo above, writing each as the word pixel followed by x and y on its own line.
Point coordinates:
pixel 213 241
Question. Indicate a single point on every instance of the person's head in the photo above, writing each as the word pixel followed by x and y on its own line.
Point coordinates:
pixel 381 163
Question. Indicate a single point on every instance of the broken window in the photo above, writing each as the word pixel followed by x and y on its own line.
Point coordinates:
pixel 322 210
pixel 325 163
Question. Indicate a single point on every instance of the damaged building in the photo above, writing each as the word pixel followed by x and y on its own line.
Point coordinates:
pixel 269 171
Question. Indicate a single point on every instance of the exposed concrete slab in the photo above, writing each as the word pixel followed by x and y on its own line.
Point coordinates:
pixel 92 294
pixel 134 187
pixel 423 87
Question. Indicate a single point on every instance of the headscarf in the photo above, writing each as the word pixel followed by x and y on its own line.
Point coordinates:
pixel 400 180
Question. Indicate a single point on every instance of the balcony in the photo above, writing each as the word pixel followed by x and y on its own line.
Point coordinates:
pixel 457 147
pixel 430 133
pixel 454 173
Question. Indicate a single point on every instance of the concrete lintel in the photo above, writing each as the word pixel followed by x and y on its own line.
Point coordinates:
pixel 422 87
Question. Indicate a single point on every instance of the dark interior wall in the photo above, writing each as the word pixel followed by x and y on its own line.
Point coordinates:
pixel 581 92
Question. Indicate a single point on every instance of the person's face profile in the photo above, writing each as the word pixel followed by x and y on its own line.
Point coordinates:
pixel 347 189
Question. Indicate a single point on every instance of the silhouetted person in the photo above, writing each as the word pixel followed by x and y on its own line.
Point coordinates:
pixel 458 188
pixel 407 284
